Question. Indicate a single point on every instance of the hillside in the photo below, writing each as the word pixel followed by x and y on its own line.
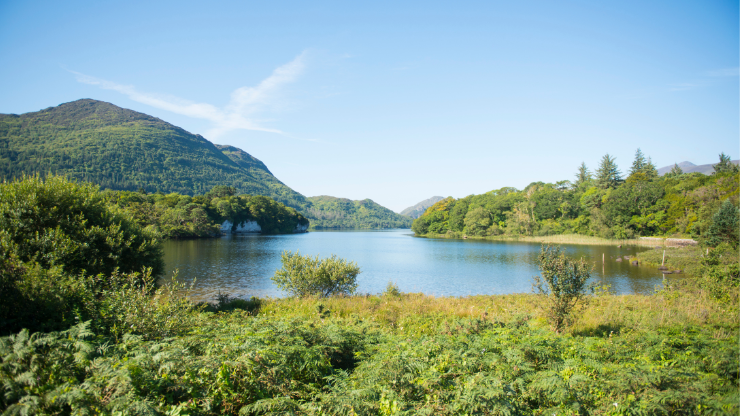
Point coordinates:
pixel 688 167
pixel 415 211
pixel 121 149
pixel 330 212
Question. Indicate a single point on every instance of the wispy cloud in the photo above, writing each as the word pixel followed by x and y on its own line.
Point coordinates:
pixel 725 72
pixel 685 86
pixel 238 114
pixel 708 78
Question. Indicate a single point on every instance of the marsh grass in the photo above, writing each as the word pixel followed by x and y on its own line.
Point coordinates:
pixel 559 239
pixel 416 313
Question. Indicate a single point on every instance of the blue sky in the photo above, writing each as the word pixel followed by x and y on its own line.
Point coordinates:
pixel 398 101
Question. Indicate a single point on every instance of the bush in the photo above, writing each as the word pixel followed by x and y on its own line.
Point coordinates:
pixel 311 276
pixel 61 247
pixel 564 283
pixel 54 222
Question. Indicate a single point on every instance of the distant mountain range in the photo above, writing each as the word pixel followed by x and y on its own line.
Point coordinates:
pixel 121 149
pixel 330 212
pixel 688 167
pixel 415 211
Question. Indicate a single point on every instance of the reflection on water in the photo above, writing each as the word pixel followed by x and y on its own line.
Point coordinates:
pixel 243 265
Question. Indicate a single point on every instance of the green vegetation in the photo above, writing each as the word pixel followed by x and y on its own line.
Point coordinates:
pixel 115 343
pixel 98 142
pixel 59 242
pixel 607 206
pixel 182 216
pixel 328 212
pixel 307 276
pixel 563 284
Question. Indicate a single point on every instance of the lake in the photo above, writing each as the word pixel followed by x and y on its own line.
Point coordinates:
pixel 242 265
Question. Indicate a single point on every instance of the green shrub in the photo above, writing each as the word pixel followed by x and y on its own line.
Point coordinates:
pixel 61 247
pixel 54 222
pixel 564 284
pixel 311 276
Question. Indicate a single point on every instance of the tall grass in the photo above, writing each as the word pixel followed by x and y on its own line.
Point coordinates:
pixel 564 239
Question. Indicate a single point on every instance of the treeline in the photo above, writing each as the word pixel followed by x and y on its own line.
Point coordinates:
pixel 603 204
pixel 183 216
pixel 328 212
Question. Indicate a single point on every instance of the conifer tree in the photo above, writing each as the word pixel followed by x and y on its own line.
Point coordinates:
pixel 608 174
pixel 675 171
pixel 639 163
pixel 651 172
pixel 725 226
pixel 583 174
pixel 725 164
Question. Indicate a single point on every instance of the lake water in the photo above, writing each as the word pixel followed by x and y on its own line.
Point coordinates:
pixel 242 265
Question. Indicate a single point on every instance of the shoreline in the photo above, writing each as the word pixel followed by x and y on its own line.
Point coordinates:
pixel 577 239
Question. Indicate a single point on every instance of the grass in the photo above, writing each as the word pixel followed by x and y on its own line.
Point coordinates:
pixel 561 239
pixel 415 313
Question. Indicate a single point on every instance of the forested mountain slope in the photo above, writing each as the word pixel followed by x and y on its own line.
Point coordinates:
pixel 415 211
pixel 330 212
pixel 122 149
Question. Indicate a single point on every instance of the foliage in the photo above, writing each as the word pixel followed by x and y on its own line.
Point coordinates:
pixel 725 226
pixel 608 175
pixel 290 360
pixel 311 276
pixel 54 222
pixel 563 283
pixel 182 216
pixel 327 212
pixel 644 205
pixel 94 141
pixel 725 165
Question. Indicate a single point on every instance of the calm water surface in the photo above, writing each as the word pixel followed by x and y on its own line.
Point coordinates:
pixel 242 265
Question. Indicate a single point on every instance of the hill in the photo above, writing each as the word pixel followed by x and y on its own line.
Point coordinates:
pixel 688 167
pixel 338 213
pixel 415 211
pixel 116 148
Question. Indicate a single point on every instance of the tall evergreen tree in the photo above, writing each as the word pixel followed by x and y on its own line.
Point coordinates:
pixel 583 174
pixel 608 174
pixel 639 163
pixel 651 172
pixel 725 164
pixel 675 171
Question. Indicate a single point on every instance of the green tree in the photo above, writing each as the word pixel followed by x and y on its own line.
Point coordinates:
pixel 675 171
pixel 608 174
pixel 725 164
pixel 564 283
pixel 583 175
pixel 311 276
pixel 477 221
pixel 639 163
pixel 724 228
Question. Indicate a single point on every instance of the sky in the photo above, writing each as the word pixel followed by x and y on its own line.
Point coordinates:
pixel 398 101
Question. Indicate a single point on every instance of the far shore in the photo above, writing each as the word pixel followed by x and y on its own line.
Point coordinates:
pixel 575 239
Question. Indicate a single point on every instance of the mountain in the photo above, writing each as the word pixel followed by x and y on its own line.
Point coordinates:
pixel 116 148
pixel 415 211
pixel 330 212
pixel 689 167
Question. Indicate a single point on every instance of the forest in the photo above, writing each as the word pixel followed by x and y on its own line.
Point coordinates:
pixel 182 216
pixel 603 203
pixel 327 212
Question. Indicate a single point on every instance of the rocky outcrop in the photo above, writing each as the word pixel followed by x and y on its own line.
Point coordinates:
pixel 244 227
pixel 252 227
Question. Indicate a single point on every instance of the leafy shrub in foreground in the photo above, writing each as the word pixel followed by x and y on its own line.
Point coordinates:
pixel 563 282
pixel 306 275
